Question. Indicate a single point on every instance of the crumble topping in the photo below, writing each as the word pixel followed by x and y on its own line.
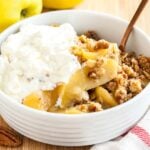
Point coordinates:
pixel 120 93
pixel 89 107
pixel 133 71
pixel 133 76
pixel 135 85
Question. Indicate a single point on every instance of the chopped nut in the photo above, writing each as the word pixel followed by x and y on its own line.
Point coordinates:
pixel 87 42
pixel 135 85
pixel 92 75
pixel 111 86
pixel 134 61
pixel 143 60
pixel 92 35
pixel 83 108
pixel 121 93
pixel 147 75
pixel 129 71
pixel 96 71
pixel 144 63
pixel 101 44
pixel 90 107
pixel 93 107
pixel 121 80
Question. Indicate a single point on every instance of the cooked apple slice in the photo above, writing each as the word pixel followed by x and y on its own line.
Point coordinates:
pixel 80 81
pixel 103 96
pixel 43 100
pixel 94 55
pixel 38 100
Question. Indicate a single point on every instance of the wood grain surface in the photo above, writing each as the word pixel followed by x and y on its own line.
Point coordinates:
pixel 121 8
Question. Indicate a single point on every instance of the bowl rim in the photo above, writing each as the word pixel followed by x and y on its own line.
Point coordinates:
pixel 70 116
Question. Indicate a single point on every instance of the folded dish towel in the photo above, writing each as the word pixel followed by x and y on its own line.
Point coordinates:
pixel 138 138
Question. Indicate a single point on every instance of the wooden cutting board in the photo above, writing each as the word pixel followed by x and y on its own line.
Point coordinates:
pixel 121 8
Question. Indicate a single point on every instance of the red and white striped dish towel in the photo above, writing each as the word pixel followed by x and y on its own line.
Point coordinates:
pixel 138 138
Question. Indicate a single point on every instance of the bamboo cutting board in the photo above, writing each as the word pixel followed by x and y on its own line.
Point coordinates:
pixel 121 8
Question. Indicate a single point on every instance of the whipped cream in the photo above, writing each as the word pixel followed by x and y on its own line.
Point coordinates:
pixel 37 58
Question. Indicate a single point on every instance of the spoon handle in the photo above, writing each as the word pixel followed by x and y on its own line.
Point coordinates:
pixel 131 24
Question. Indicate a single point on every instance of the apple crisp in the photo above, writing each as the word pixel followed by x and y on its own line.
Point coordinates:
pixel 107 78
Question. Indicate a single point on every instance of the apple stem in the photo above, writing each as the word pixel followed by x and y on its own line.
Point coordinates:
pixel 23 12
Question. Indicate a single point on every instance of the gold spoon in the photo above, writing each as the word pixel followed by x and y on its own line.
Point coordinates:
pixel 131 24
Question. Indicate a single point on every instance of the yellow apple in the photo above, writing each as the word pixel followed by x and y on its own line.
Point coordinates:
pixel 60 4
pixel 14 10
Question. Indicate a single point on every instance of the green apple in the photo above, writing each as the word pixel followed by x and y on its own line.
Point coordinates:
pixel 12 11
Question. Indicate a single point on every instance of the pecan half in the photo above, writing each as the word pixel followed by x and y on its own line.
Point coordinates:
pixel 9 137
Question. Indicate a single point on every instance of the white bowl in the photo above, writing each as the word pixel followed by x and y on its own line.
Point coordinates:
pixel 85 129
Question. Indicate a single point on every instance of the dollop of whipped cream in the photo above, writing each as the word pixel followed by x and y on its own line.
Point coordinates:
pixel 37 58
